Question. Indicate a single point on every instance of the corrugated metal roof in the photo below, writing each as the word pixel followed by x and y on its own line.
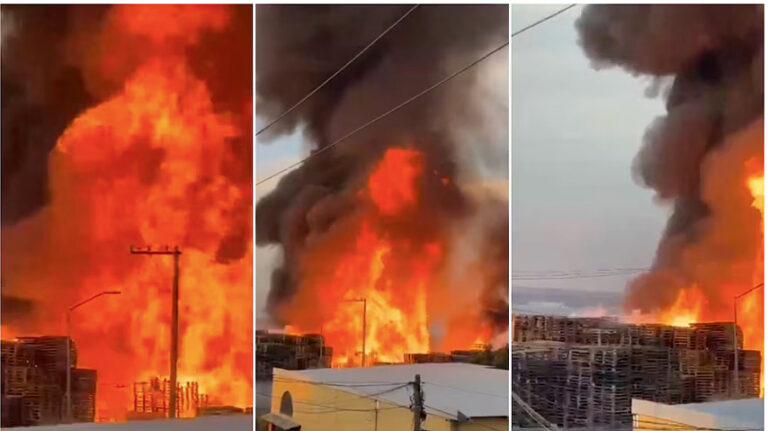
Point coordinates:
pixel 474 390
pixel 728 414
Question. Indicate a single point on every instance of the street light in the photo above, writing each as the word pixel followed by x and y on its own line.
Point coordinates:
pixel 365 307
pixel 736 383
pixel 69 346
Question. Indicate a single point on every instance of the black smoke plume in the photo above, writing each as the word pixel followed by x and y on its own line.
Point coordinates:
pixel 297 47
pixel 714 57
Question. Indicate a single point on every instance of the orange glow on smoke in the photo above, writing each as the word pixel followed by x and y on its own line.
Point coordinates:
pixel 147 166
pixel 372 257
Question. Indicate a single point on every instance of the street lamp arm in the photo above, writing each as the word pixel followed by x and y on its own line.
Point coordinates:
pixel 68 392
pixel 736 383
pixel 85 301
pixel 739 296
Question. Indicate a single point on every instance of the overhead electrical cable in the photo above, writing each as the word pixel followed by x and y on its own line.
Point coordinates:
pixel 407 101
pixel 341 69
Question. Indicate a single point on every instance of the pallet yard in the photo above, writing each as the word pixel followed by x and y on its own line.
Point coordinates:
pixel 34 382
pixel 584 372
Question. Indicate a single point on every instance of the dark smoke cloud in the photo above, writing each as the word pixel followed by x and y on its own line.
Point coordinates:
pixel 714 54
pixel 297 47
pixel 42 90
pixel 16 309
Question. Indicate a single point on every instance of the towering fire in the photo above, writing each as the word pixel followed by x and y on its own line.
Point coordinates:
pixel 162 159
pixel 704 157
pixel 387 268
pixel 382 239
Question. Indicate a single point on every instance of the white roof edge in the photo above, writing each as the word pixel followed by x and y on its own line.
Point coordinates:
pixel 681 414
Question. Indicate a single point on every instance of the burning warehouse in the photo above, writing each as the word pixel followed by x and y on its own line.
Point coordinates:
pixel 34 377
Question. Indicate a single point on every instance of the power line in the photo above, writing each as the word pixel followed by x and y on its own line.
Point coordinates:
pixel 570 271
pixel 570 276
pixel 327 80
pixel 465 390
pixel 546 18
pixel 407 101
pixel 344 385
pixel 388 112
pixel 482 425
pixel 353 394
pixel 332 409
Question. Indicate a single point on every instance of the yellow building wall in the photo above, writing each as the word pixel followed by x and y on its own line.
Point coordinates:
pixel 650 423
pixel 321 408
pixel 484 424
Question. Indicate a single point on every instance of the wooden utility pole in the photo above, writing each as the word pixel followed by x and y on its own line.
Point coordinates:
pixel 418 403
pixel 176 253
pixel 736 382
pixel 365 311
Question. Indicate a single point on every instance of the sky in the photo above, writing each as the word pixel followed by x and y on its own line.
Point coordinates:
pixel 575 132
pixel 270 158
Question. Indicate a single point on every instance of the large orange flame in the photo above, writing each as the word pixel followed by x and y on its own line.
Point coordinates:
pixel 371 268
pixel 691 305
pixel 719 270
pixel 148 166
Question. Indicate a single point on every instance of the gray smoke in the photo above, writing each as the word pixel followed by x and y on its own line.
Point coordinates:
pixel 714 55
pixel 298 47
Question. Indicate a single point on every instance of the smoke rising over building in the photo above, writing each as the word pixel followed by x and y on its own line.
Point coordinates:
pixel 313 206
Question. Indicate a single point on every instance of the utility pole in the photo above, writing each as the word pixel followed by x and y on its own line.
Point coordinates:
pixel 736 388
pixel 418 403
pixel 365 308
pixel 176 253
pixel 736 383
